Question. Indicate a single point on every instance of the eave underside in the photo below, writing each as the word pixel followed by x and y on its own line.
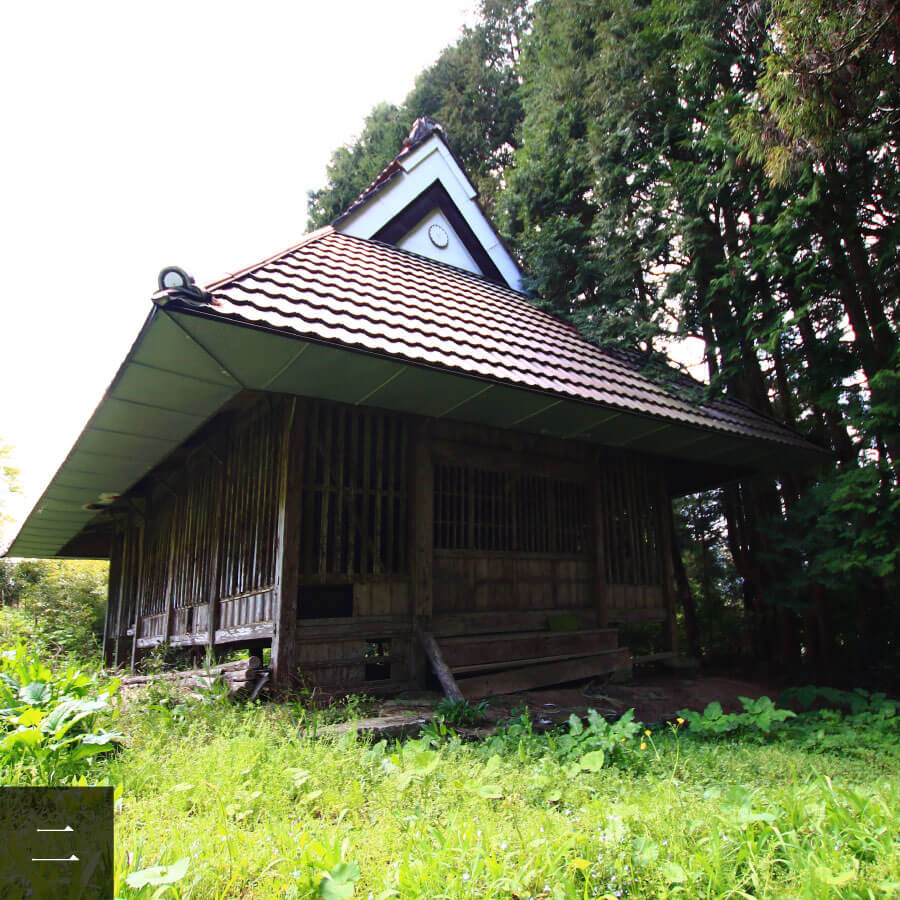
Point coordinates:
pixel 185 367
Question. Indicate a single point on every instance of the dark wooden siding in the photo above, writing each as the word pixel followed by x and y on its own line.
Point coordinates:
pixel 355 516
pixel 201 528
pixel 514 530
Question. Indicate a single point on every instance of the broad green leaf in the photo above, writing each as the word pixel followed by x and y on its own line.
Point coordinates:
pixel 35 693
pixel 31 716
pixel 338 883
pixel 823 873
pixel 593 761
pixel 644 851
pixel 673 873
pixel 24 737
pixel 489 791
pixel 157 875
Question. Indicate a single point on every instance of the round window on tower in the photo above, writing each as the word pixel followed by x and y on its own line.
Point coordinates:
pixel 438 236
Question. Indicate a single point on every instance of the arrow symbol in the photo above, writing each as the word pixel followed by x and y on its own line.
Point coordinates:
pixel 67 828
pixel 72 858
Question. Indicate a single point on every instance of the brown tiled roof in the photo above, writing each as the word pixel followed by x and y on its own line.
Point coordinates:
pixel 367 295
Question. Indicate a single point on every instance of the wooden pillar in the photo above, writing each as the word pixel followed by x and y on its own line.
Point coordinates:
pixel 600 526
pixel 174 534
pixel 422 540
pixel 139 582
pixel 212 588
pixel 113 599
pixel 667 543
pixel 287 547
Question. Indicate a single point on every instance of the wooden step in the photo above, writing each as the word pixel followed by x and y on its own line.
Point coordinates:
pixel 504 621
pixel 518 663
pixel 477 650
pixel 544 674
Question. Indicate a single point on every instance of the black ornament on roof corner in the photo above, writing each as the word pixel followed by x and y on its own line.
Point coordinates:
pixel 423 128
pixel 173 279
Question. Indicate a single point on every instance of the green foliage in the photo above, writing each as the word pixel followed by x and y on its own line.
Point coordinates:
pixel 9 484
pixel 844 529
pixel 829 82
pixel 578 747
pixel 60 606
pixel 759 717
pixel 157 876
pixel 353 166
pixel 52 723
pixel 640 212
pixel 460 712
pixel 267 810
pixel 595 744
pixel 472 89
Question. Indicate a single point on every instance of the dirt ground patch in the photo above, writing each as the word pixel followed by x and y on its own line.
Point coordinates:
pixel 655 694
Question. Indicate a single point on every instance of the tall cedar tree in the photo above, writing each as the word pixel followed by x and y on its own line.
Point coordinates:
pixel 636 202
pixel 726 171
pixel 472 90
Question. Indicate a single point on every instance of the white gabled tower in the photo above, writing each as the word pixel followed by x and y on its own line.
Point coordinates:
pixel 422 201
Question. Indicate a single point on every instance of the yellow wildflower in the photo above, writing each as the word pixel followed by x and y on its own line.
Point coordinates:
pixel 647 732
pixel 680 721
pixel 643 745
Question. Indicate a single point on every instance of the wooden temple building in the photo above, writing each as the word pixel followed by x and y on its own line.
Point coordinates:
pixel 375 455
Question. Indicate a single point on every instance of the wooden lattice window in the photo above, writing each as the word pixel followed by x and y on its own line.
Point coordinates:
pixel 629 509
pixel 479 509
pixel 156 551
pixel 249 506
pixel 355 515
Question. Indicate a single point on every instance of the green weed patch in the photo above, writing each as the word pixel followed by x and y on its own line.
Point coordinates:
pixel 256 802
pixel 217 800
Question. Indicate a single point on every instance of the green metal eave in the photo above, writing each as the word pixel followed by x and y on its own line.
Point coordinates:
pixel 187 363
pixel 166 388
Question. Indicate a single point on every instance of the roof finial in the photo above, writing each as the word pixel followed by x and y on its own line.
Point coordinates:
pixel 422 129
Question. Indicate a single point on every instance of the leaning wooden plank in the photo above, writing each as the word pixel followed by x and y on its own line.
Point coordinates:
pixel 544 675
pixel 444 675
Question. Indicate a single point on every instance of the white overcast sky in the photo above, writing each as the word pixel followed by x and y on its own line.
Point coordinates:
pixel 138 135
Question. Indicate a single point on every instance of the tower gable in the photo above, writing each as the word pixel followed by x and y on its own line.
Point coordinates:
pixel 423 202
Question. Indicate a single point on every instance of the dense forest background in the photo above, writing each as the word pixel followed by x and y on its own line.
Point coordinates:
pixel 726 171
pixel 55 606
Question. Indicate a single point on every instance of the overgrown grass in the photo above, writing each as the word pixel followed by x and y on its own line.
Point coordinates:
pixel 261 808
pixel 220 800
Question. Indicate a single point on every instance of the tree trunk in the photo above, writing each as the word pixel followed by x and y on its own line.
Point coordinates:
pixel 685 595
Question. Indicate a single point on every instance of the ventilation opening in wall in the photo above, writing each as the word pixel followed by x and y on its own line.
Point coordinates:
pixel 378 660
pixel 325 601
